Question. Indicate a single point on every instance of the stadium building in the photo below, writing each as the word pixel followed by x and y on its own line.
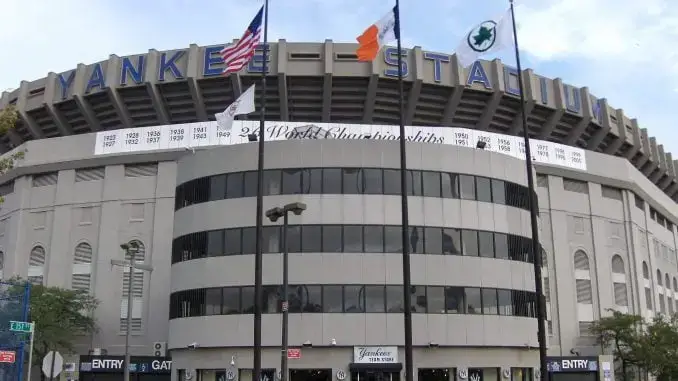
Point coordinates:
pixel 123 150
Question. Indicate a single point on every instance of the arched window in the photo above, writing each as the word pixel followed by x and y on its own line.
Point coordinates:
pixel 646 271
pixel 137 290
pixel 648 290
pixel 82 267
pixel 36 265
pixel 546 287
pixel 668 293
pixel 619 283
pixel 659 278
pixel 675 294
pixel 660 292
pixel 582 273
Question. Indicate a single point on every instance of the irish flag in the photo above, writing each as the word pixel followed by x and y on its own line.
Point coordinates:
pixel 376 36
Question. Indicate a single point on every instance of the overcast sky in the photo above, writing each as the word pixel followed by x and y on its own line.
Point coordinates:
pixel 623 50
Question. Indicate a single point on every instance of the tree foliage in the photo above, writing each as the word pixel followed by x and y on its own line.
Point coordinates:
pixel 640 345
pixel 8 118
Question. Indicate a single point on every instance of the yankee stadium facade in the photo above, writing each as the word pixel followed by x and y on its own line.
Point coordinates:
pixel 126 150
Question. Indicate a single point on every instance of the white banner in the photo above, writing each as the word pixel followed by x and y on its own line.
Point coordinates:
pixel 375 355
pixel 204 134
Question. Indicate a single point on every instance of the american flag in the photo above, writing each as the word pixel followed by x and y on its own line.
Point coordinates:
pixel 236 56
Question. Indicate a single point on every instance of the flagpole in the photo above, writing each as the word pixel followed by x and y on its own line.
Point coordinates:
pixel 407 310
pixel 258 257
pixel 536 246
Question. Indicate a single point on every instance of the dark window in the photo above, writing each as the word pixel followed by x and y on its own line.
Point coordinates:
pixel 271 299
pixel 213 301
pixel 498 195
pixel 486 244
pixel 393 239
pixel 505 302
pixel 473 300
pixel 312 298
pixel 250 184
pixel 394 299
pixel 247 300
pixel 450 185
pixel 469 240
pixel 295 295
pixel 433 241
pixel 249 240
pixel 234 184
pixel 375 300
pixel 374 239
pixel 416 239
pixel 232 238
pixel 272 182
pixel 414 183
pixel 372 181
pixel 484 189
pixel 215 243
pixel 490 303
pixel 354 299
pixel 271 239
pixel 435 299
pixel 353 239
pixel 217 187
pixel 391 181
pixel 332 181
pixel 332 299
pixel 501 245
pixel 431 183
pixel 291 181
pixel 418 298
pixel 467 187
pixel 332 241
pixel 311 239
pixel 350 180
pixel 451 240
pixel 231 301
pixel 454 300
pixel 294 239
pixel 312 181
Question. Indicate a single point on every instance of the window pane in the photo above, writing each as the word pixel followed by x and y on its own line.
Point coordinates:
pixel 433 241
pixel 417 240
pixel 393 239
pixel 294 298
pixel 414 183
pixel 469 240
pixel 451 241
pixel 473 301
pixel 484 189
pixel 353 239
pixel 486 244
pixel 431 183
pixel 501 245
pixel 311 239
pixel 332 299
pixel 250 183
pixel 312 299
pixel 215 243
pixel 234 185
pixel 394 299
pixel 247 300
pixel 271 298
pixel 271 239
pixel 498 196
pixel 213 301
pixel 375 300
pixel 372 181
pixel 249 240
pixel 272 182
pixel 350 180
pixel 332 181
pixel 354 299
pixel 435 299
pixel 232 238
pixel 217 187
pixel 490 301
pixel 450 185
pixel 312 181
pixel 231 301
pixel 418 298
pixel 454 300
pixel 291 181
pixel 467 187
pixel 374 239
pixel 332 239
pixel 505 302
pixel 294 239
pixel 391 181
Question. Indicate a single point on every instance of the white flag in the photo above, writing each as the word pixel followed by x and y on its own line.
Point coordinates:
pixel 243 105
pixel 487 37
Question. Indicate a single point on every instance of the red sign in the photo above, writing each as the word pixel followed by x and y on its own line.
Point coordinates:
pixel 294 353
pixel 7 356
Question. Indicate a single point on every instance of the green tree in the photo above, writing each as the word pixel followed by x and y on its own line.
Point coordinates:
pixel 622 334
pixel 660 347
pixel 8 118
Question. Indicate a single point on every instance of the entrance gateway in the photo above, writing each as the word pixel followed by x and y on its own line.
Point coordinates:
pixel 375 364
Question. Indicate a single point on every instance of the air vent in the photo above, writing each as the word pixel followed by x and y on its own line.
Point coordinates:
pixel 45 179
pixel 36 92
pixel 304 56
pixel 346 57
pixel 89 174
pixel 141 170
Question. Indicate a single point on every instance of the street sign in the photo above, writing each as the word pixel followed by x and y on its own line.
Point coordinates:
pixel 7 356
pixel 294 353
pixel 20 326
pixel 47 364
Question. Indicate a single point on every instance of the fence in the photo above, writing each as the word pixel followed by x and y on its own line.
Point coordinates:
pixel 14 302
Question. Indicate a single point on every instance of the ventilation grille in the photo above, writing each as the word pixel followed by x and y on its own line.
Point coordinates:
pixel 581 261
pixel 90 174
pixel 81 282
pixel 83 254
pixel 141 170
pixel 45 179
pixel 137 292
pixel 37 257
pixel 575 186
pixel 620 295
pixel 585 328
pixel 136 324
pixel 584 295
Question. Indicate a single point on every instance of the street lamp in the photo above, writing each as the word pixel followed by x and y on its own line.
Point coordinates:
pixel 130 249
pixel 274 214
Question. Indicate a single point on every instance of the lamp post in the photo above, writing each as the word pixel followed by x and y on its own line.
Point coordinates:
pixel 130 249
pixel 274 214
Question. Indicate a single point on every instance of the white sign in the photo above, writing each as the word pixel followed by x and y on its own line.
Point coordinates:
pixel 107 364
pixel 52 364
pixel 205 134
pixel 161 365
pixel 375 355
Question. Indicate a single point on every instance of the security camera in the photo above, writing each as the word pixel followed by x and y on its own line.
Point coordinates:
pixel 193 345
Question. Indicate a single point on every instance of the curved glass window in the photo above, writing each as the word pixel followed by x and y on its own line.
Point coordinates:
pixel 351 181
pixel 353 239
pixel 354 299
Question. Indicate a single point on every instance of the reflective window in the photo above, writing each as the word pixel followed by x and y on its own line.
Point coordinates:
pixel 312 298
pixel 418 298
pixel 372 181
pixel 469 240
pixel 291 181
pixel 394 299
pixel 332 239
pixel 450 185
pixel 414 185
pixel 271 298
pixel 312 181
pixel 294 239
pixel 490 303
pixel 333 299
pixel 486 244
pixel 454 300
pixel 431 183
pixel 391 181
pixel 435 299
pixel 231 303
pixel 234 185
pixel 232 240
pixel 246 300
pixel 393 239
pixel 332 181
pixel 451 241
pixel 311 239
pixel 272 182
pixel 374 239
pixel 473 300
pixel 213 301
pixel 215 243
pixel 483 189
pixel 498 195
pixel 249 240
pixel 354 299
pixel 416 239
pixel 350 178
pixel 217 187
pixel 467 187
pixel 250 184
pixel 375 300
pixel 271 239
pixel 501 250
pixel 505 302
pixel 353 239
pixel 433 240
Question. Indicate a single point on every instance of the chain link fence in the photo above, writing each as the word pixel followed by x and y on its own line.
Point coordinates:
pixel 14 302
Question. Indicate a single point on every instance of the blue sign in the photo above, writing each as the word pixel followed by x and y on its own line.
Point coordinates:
pixel 572 364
